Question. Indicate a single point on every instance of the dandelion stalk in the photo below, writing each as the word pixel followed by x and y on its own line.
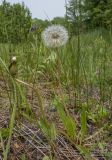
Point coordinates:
pixel 56 36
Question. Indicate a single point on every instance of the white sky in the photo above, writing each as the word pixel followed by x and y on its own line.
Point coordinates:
pixel 43 8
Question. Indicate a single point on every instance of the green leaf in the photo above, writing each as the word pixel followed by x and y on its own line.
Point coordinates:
pixel 84 151
pixel 53 131
pixel 68 122
pixel 4 132
pixel 46 158
pixel 23 157
pixel 83 121
pixel 49 130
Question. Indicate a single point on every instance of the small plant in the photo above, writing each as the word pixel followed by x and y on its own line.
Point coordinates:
pixel 68 122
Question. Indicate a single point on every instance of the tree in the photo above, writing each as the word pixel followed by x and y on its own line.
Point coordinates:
pixel 92 13
pixel 38 25
pixel 97 12
pixel 75 14
pixel 59 20
pixel 15 22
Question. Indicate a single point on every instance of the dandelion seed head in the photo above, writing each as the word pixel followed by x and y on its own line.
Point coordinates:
pixel 55 36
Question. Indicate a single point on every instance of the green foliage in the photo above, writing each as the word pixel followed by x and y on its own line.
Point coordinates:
pixel 75 9
pixel 49 130
pixel 15 22
pixel 68 122
pixel 99 12
pixel 46 158
pixel 85 152
pixel 100 113
pixel 94 73
pixel 59 20
pixel 4 132
pixel 83 121
pixel 39 25
pixel 23 157
pixel 89 13
pixel 76 15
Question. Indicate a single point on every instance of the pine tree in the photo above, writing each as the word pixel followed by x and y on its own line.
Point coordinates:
pixel 75 14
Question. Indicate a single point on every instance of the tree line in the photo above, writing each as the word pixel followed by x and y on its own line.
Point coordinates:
pixel 16 23
pixel 89 14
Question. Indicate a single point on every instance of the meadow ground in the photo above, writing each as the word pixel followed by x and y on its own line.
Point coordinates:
pixel 59 105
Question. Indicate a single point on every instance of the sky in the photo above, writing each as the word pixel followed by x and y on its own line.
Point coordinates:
pixel 44 9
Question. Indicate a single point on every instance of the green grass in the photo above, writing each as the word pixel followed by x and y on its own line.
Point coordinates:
pixel 85 71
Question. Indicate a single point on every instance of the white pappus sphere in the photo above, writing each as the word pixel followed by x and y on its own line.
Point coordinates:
pixel 55 36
